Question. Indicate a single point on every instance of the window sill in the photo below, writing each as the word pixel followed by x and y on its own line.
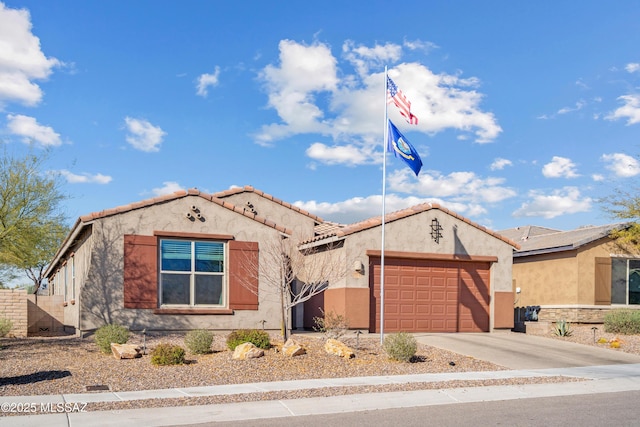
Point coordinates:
pixel 194 311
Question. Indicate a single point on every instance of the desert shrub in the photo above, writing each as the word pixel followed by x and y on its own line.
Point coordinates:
pixel 622 321
pixel 5 326
pixel 332 325
pixel 199 341
pixel 400 346
pixel 562 328
pixel 107 334
pixel 258 338
pixel 167 354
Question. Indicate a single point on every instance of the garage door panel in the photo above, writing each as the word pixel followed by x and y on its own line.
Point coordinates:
pixel 432 296
pixel 423 309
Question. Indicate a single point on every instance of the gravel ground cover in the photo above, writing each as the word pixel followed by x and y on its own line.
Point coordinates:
pixel 59 365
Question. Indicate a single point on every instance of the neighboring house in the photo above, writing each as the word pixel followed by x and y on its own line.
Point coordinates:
pixel 176 263
pixel 575 275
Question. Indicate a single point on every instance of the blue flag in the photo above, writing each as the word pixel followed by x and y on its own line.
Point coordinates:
pixel 398 145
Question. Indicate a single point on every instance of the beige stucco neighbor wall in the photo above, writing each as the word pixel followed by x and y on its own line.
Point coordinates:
pixel 413 234
pixel 13 306
pixel 101 294
pixel 546 279
pixel 561 278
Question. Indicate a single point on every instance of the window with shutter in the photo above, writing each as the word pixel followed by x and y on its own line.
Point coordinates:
pixel 173 273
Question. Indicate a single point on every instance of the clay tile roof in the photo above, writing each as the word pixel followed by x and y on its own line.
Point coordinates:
pixel 397 215
pixel 177 195
pixel 250 189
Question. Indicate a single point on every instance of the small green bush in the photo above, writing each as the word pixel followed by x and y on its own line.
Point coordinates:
pixel 562 328
pixel 400 346
pixel 199 341
pixel 167 354
pixel 258 338
pixel 622 321
pixel 107 334
pixel 5 326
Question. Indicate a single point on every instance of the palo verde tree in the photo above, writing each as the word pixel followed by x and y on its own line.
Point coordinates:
pixel 624 205
pixel 290 275
pixel 32 225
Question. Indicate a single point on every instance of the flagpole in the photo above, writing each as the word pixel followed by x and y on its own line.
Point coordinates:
pixel 384 189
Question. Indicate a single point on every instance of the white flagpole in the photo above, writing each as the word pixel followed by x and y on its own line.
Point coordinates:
pixel 384 188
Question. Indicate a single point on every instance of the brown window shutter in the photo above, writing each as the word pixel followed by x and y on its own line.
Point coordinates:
pixel 602 279
pixel 243 275
pixel 140 271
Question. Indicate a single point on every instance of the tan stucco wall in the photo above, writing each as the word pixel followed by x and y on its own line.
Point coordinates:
pixel 102 288
pixel 302 225
pixel 561 278
pixel 546 279
pixel 413 234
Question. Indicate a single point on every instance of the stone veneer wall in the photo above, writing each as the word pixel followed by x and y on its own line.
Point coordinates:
pixel 13 306
pixel 574 314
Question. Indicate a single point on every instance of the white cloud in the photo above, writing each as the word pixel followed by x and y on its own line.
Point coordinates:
pixel 360 208
pixel 168 187
pixel 426 47
pixel 500 163
pixel 567 200
pixel 632 67
pixel 597 177
pixel 349 155
pixel 143 135
pixel 21 59
pixel 630 110
pixel 460 187
pixel 31 131
pixel 85 178
pixel 309 97
pixel 363 58
pixel 621 164
pixel 304 71
pixel 560 167
pixel 579 106
pixel 206 80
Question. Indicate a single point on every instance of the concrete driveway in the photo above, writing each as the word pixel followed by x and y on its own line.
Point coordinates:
pixel 521 351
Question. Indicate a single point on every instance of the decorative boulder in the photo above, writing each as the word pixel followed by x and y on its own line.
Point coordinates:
pixel 125 351
pixel 246 351
pixel 292 348
pixel 338 348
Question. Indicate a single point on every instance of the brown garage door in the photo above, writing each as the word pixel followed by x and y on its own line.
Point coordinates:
pixel 431 296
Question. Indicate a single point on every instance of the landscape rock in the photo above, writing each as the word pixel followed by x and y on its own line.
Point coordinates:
pixel 292 348
pixel 125 351
pixel 246 351
pixel 338 348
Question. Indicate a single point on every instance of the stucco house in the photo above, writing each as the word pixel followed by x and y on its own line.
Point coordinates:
pixel 176 263
pixel 575 275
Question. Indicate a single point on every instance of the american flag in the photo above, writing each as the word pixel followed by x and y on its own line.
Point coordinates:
pixel 397 97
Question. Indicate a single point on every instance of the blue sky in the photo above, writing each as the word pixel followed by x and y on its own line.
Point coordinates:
pixel 529 112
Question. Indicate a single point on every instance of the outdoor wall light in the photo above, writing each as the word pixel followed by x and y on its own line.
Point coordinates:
pixel 358 267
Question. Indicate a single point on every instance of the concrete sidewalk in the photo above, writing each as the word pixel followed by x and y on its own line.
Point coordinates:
pixel 598 379
pixel 527 356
